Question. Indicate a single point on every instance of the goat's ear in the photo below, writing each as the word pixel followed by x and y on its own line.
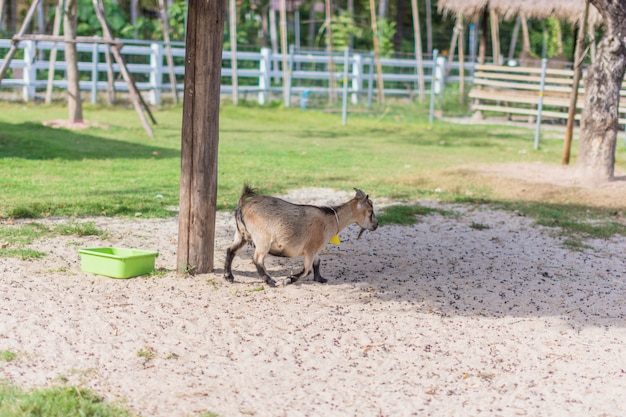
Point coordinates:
pixel 360 195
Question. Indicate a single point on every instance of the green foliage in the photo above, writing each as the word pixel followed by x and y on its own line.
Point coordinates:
pixel 89 25
pixel 176 20
pixel 552 28
pixel 387 31
pixel 55 402
pixel 343 26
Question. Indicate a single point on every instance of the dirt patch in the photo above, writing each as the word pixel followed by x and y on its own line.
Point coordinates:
pixel 541 182
pixel 67 124
pixel 439 318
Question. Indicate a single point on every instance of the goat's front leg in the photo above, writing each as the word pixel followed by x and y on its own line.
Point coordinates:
pixel 295 277
pixel 316 271
pixel 308 260
pixel 259 262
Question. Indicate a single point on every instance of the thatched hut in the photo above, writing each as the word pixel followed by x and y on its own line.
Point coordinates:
pixel 493 10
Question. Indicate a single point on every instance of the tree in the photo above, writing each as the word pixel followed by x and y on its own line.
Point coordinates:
pixel 75 105
pixel 599 120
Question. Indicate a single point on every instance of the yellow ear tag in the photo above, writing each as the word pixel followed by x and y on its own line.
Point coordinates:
pixel 335 239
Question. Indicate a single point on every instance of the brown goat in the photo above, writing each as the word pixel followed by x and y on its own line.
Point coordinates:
pixel 281 228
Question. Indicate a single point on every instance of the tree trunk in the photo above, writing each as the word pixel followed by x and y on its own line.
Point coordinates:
pixel 200 136
pixel 599 121
pixel 74 103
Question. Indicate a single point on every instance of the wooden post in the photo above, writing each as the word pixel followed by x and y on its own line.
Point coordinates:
pixel 379 68
pixel 168 51
pixel 482 43
pixel 525 35
pixel 418 50
pixel 200 136
pixel 53 52
pixel 495 36
pixel 578 68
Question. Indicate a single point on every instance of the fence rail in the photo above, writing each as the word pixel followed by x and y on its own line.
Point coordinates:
pixel 259 73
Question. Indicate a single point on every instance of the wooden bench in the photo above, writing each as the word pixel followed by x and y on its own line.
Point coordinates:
pixel 517 90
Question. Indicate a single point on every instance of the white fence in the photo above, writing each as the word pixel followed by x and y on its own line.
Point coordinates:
pixel 259 73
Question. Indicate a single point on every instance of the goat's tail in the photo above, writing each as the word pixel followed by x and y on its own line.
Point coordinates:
pixel 248 192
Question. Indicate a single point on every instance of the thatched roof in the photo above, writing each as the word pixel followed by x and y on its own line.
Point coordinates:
pixel 569 10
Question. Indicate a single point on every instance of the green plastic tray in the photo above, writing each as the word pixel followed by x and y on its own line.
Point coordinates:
pixel 117 262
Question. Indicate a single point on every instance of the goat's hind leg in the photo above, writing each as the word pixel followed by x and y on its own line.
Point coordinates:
pixel 231 252
pixel 259 262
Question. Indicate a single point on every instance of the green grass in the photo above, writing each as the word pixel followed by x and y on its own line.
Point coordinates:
pixel 55 402
pixel 121 171
pixel 14 239
pixel 7 355
pixel 391 152
pixel 574 221
pixel 406 214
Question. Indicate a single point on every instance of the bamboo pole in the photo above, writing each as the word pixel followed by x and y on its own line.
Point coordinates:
pixel 379 68
pixel 525 35
pixel 284 52
pixel 135 96
pixel 461 62
pixel 458 27
pixel 578 66
pixel 232 28
pixel 110 75
pixel 168 51
pixel 418 50
pixel 56 29
pixel 332 93
pixel 16 39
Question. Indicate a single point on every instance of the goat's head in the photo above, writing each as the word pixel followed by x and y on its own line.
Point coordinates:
pixel 365 216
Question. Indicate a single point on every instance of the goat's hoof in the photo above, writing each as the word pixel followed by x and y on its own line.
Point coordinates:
pixel 269 281
pixel 291 279
pixel 321 280
pixel 229 277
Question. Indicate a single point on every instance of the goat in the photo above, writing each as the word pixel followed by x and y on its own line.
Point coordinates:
pixel 281 228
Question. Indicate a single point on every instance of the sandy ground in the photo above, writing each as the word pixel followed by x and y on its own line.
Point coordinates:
pixel 436 319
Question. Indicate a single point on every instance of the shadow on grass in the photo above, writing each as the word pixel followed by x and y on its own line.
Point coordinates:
pixel 37 142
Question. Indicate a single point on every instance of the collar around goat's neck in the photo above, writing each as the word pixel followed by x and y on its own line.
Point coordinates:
pixel 336 218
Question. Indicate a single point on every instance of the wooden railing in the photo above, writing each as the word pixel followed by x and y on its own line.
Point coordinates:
pixel 519 90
